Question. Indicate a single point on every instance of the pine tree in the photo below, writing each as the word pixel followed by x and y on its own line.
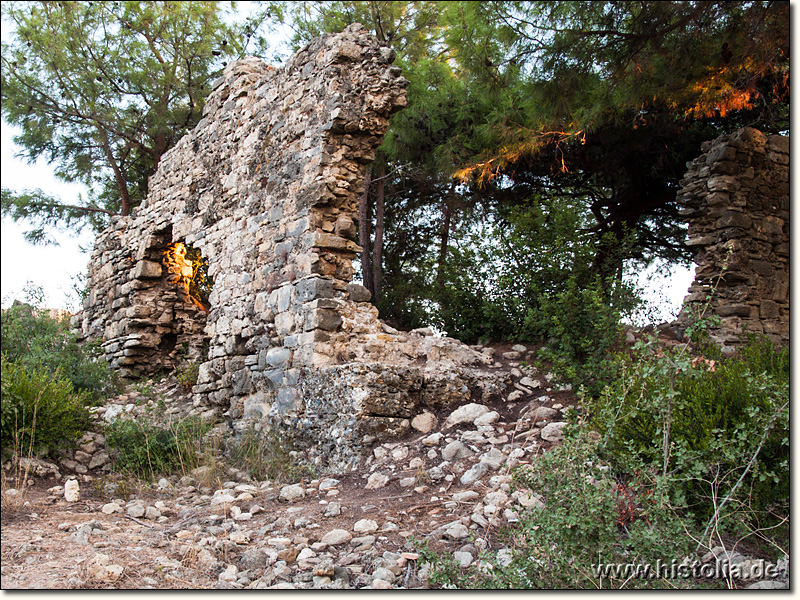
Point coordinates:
pixel 102 89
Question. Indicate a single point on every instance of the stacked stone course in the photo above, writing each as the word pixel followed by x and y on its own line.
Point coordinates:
pixel 735 197
pixel 266 187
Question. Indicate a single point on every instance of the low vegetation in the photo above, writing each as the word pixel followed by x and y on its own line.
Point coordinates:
pixel 146 449
pixel 681 452
pixel 37 341
pixel 48 381
pixel 41 411
pixel 261 454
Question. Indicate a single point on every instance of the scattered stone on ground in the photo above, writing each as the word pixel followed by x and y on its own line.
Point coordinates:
pixel 447 481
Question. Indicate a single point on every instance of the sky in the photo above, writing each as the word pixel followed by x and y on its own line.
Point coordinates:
pixel 51 267
pixel 56 267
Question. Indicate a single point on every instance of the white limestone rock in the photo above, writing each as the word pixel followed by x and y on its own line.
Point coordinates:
pixel 552 432
pixel 72 491
pixel 467 414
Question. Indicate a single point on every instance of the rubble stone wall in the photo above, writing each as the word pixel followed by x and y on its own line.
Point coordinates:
pixel 266 187
pixel 736 200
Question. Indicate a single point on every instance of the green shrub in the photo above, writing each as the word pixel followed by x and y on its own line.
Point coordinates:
pixel 34 339
pixel 186 373
pixel 41 410
pixel 699 421
pixel 145 449
pixel 583 327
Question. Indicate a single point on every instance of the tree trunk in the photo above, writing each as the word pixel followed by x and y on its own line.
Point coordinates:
pixel 363 233
pixel 447 216
pixel 377 247
pixel 159 148
pixel 122 185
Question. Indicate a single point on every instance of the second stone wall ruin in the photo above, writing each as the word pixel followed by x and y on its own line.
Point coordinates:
pixel 735 198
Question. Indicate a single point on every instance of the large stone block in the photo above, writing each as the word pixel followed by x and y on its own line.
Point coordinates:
pixel 358 293
pixel 278 357
pixel 330 241
pixel 312 288
pixel 769 309
pixel 732 218
pixel 146 269
pixel 323 318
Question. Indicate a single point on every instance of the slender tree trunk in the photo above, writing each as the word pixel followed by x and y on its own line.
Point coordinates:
pixel 447 217
pixel 363 233
pixel 159 148
pixel 377 247
pixel 122 185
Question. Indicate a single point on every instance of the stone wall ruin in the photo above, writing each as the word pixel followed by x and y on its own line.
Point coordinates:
pixel 735 197
pixel 266 188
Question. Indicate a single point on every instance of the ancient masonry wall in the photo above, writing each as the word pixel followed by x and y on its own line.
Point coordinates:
pixel 266 187
pixel 736 200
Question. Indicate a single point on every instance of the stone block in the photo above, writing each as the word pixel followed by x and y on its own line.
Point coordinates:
pixel 241 382
pixel 146 269
pixel 723 183
pixel 278 357
pixel 275 378
pixel 284 323
pixel 701 240
pixel 772 226
pixel 331 241
pixel 345 227
pixel 731 218
pixel 312 288
pixel 778 158
pixel 750 136
pixel 286 399
pixel 358 293
pixel 769 309
pixel 323 318
pixel 778 143
pixel 725 168
pixel 777 328
pixel 721 153
pixel 733 310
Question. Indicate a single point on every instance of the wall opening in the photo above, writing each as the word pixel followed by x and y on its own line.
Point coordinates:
pixel 186 266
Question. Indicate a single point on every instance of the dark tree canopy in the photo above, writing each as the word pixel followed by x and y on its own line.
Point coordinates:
pixel 611 99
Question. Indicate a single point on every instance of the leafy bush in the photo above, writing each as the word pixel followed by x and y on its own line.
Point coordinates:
pixel 700 421
pixel 145 449
pixel 583 328
pixel 262 455
pixel 186 373
pixel 41 410
pixel 37 341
